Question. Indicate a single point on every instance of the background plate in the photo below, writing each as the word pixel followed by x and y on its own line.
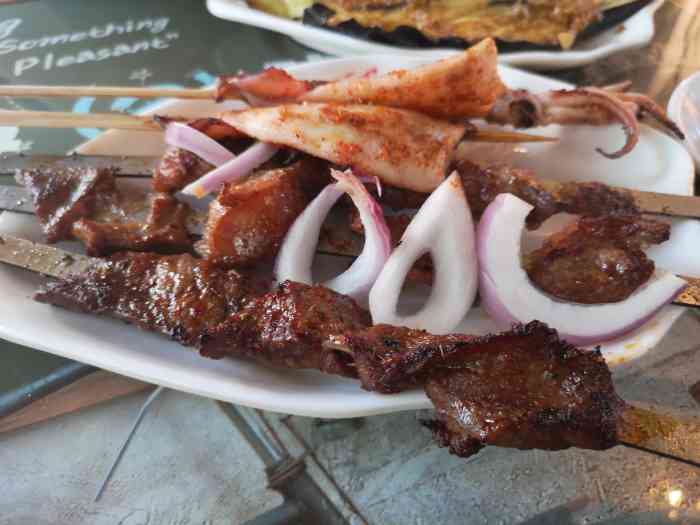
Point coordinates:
pixel 636 31
pixel 657 163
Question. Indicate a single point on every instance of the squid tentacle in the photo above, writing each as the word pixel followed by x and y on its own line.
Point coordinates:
pixel 585 105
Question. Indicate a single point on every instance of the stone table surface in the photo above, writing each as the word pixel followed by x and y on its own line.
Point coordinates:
pixel 188 465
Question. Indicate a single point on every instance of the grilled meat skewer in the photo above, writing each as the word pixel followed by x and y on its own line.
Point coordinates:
pixel 558 397
pixel 548 197
pixel 248 221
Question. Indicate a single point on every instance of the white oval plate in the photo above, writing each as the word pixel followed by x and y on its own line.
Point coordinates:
pixel 656 163
pixel 637 31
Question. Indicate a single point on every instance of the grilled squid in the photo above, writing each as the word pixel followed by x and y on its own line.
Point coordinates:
pixel 461 87
pixel 403 148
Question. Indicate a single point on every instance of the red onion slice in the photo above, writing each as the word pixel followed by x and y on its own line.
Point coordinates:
pixel 184 137
pixel 297 252
pixel 508 295
pixel 443 227
pixel 234 169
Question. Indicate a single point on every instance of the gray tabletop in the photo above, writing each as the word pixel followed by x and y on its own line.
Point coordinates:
pixel 187 464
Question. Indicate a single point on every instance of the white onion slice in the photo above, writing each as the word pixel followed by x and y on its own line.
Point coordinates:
pixel 508 295
pixel 443 227
pixel 297 252
pixel 185 137
pixel 234 169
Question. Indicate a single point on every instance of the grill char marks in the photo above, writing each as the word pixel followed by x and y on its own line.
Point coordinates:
pixel 248 221
pixel 524 389
pixel 165 231
pixel 64 196
pixel 294 327
pixel 596 260
pixel 390 359
pixel 178 296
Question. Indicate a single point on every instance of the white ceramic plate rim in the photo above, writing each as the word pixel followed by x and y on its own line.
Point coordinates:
pixel 126 350
pixel 638 32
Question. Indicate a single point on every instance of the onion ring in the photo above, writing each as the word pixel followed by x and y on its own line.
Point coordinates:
pixel 186 137
pixel 442 227
pixel 234 169
pixel 509 297
pixel 299 246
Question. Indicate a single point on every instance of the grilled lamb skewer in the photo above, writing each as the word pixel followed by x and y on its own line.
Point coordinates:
pixel 558 397
pixel 248 221
pixel 178 168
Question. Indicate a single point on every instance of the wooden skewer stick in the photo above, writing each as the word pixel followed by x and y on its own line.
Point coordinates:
pixel 60 119
pixel 660 434
pixel 490 135
pixel 105 91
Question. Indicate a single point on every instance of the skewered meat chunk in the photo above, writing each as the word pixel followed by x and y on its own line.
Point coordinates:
pixel 591 199
pixel 165 231
pixel 596 260
pixel 524 389
pixel 270 86
pixel 177 168
pixel 293 326
pixel 483 184
pixel 64 196
pixel 86 204
pixel 178 296
pixel 248 221
pixel 390 359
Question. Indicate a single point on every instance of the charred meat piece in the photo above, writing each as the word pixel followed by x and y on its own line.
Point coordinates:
pixel 596 260
pixel 293 326
pixel 524 389
pixel 483 184
pixel 179 167
pixel 270 86
pixel 62 197
pixel 591 199
pixel 165 231
pixel 178 296
pixel 248 221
